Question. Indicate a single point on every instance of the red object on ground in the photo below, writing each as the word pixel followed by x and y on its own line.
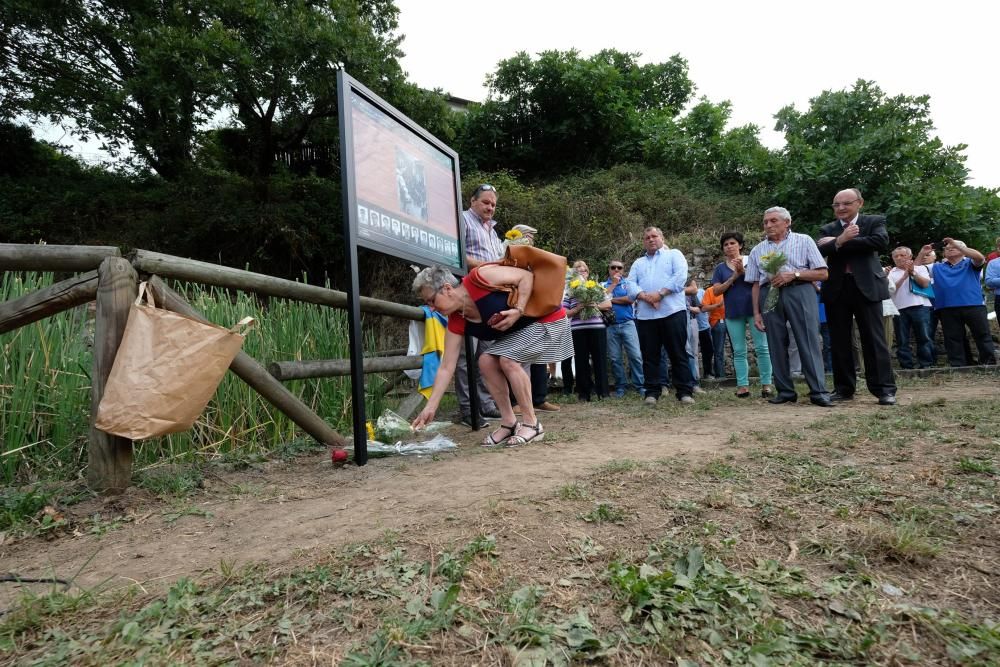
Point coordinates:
pixel 338 456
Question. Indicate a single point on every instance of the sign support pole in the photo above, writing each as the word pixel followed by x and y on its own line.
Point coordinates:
pixel 353 289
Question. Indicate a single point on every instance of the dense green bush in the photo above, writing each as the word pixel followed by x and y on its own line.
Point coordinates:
pixel 599 215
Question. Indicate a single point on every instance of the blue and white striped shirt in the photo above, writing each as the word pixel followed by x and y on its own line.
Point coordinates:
pixel 481 241
pixel 800 250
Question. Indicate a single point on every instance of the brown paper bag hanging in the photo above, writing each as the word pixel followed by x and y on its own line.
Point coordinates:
pixel 167 369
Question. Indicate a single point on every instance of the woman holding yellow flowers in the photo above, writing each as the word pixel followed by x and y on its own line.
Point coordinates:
pixel 584 301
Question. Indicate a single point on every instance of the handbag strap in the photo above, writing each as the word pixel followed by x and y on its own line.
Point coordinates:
pixel 243 326
pixel 144 291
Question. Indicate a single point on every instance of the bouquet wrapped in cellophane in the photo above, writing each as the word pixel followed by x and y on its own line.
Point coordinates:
pixel 772 263
pixel 587 293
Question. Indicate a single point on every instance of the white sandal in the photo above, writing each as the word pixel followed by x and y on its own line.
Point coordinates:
pixel 490 441
pixel 516 440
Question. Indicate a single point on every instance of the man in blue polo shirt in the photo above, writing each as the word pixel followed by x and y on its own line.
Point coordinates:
pixel 958 300
pixel 622 334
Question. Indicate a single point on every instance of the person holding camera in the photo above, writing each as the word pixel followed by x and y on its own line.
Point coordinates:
pixel 958 300
pixel 856 289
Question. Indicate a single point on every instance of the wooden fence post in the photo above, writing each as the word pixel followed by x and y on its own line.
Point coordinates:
pixel 109 468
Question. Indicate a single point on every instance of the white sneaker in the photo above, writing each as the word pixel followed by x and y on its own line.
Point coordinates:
pixel 650 400
pixel 698 390
pixel 687 399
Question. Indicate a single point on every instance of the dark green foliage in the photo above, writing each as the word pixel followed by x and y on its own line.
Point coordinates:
pixel 132 73
pixel 698 145
pixel 561 112
pixel 882 145
pixel 600 215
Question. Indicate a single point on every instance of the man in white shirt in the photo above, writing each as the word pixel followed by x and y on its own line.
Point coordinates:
pixel 914 309
pixel 657 286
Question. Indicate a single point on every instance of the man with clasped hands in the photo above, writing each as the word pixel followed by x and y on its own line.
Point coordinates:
pixel 855 290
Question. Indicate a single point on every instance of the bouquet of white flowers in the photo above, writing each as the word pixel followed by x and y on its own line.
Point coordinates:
pixel 772 263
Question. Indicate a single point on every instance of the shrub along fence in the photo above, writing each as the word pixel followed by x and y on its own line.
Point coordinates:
pixel 111 281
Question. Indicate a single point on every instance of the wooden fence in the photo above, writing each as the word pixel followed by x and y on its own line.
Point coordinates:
pixel 112 281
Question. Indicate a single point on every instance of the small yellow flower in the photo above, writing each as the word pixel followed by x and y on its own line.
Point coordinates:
pixel 371 430
pixel 513 234
pixel 590 284
pixel 574 283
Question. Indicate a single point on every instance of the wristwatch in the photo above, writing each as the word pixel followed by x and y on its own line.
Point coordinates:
pixel 798 274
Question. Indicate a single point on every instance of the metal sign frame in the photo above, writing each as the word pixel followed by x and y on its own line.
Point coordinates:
pixel 407 207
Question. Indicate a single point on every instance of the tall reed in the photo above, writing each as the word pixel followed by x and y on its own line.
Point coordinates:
pixel 45 385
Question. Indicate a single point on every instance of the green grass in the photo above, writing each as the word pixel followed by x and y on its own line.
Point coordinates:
pixel 45 389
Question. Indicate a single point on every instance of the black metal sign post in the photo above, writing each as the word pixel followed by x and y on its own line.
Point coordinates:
pixel 354 288
pixel 401 194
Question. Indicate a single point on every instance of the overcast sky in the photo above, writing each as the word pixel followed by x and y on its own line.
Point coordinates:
pixel 759 55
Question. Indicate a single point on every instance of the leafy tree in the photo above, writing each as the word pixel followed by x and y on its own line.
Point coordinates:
pixel 561 112
pixel 698 145
pixel 149 73
pixel 276 63
pixel 129 71
pixel 884 146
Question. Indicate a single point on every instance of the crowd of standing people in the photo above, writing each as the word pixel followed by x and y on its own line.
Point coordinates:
pixel 806 306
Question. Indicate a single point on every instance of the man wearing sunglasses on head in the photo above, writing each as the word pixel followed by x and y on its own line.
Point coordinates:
pixel 622 333
pixel 482 245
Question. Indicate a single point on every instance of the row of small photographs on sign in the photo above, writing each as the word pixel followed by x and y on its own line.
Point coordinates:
pixel 399 229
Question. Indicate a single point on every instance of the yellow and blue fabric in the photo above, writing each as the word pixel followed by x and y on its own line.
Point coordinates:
pixel 433 350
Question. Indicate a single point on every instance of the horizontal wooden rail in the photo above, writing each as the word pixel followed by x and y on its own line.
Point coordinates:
pixel 48 301
pixel 42 257
pixel 192 270
pixel 324 368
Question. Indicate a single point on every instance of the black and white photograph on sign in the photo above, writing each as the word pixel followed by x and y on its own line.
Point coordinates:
pixel 411 185
pixel 403 183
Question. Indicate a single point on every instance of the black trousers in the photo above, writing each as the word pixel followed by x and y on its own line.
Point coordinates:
pixel 849 305
pixel 590 352
pixel 953 323
pixel 669 333
pixel 707 352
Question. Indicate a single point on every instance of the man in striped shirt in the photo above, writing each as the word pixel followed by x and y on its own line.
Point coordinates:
pixel 482 245
pixel 796 305
pixel 481 241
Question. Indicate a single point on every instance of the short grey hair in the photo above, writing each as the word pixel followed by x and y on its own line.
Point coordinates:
pixel 780 210
pixel 434 277
pixel 902 248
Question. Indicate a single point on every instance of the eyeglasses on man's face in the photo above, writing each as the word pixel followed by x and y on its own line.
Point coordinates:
pixel 617 268
pixel 844 204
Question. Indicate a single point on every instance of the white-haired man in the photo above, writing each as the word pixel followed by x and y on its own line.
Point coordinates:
pixel 797 310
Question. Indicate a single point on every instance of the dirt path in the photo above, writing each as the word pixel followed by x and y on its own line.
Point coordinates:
pixel 280 511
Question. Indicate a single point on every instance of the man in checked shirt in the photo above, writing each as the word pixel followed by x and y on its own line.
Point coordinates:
pixel 481 245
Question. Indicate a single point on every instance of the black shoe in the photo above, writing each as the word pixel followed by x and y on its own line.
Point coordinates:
pixel 467 420
pixel 887 399
pixel 779 399
pixel 836 397
pixel 821 401
pixel 490 414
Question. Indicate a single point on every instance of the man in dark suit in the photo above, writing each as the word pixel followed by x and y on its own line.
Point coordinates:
pixel 855 290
